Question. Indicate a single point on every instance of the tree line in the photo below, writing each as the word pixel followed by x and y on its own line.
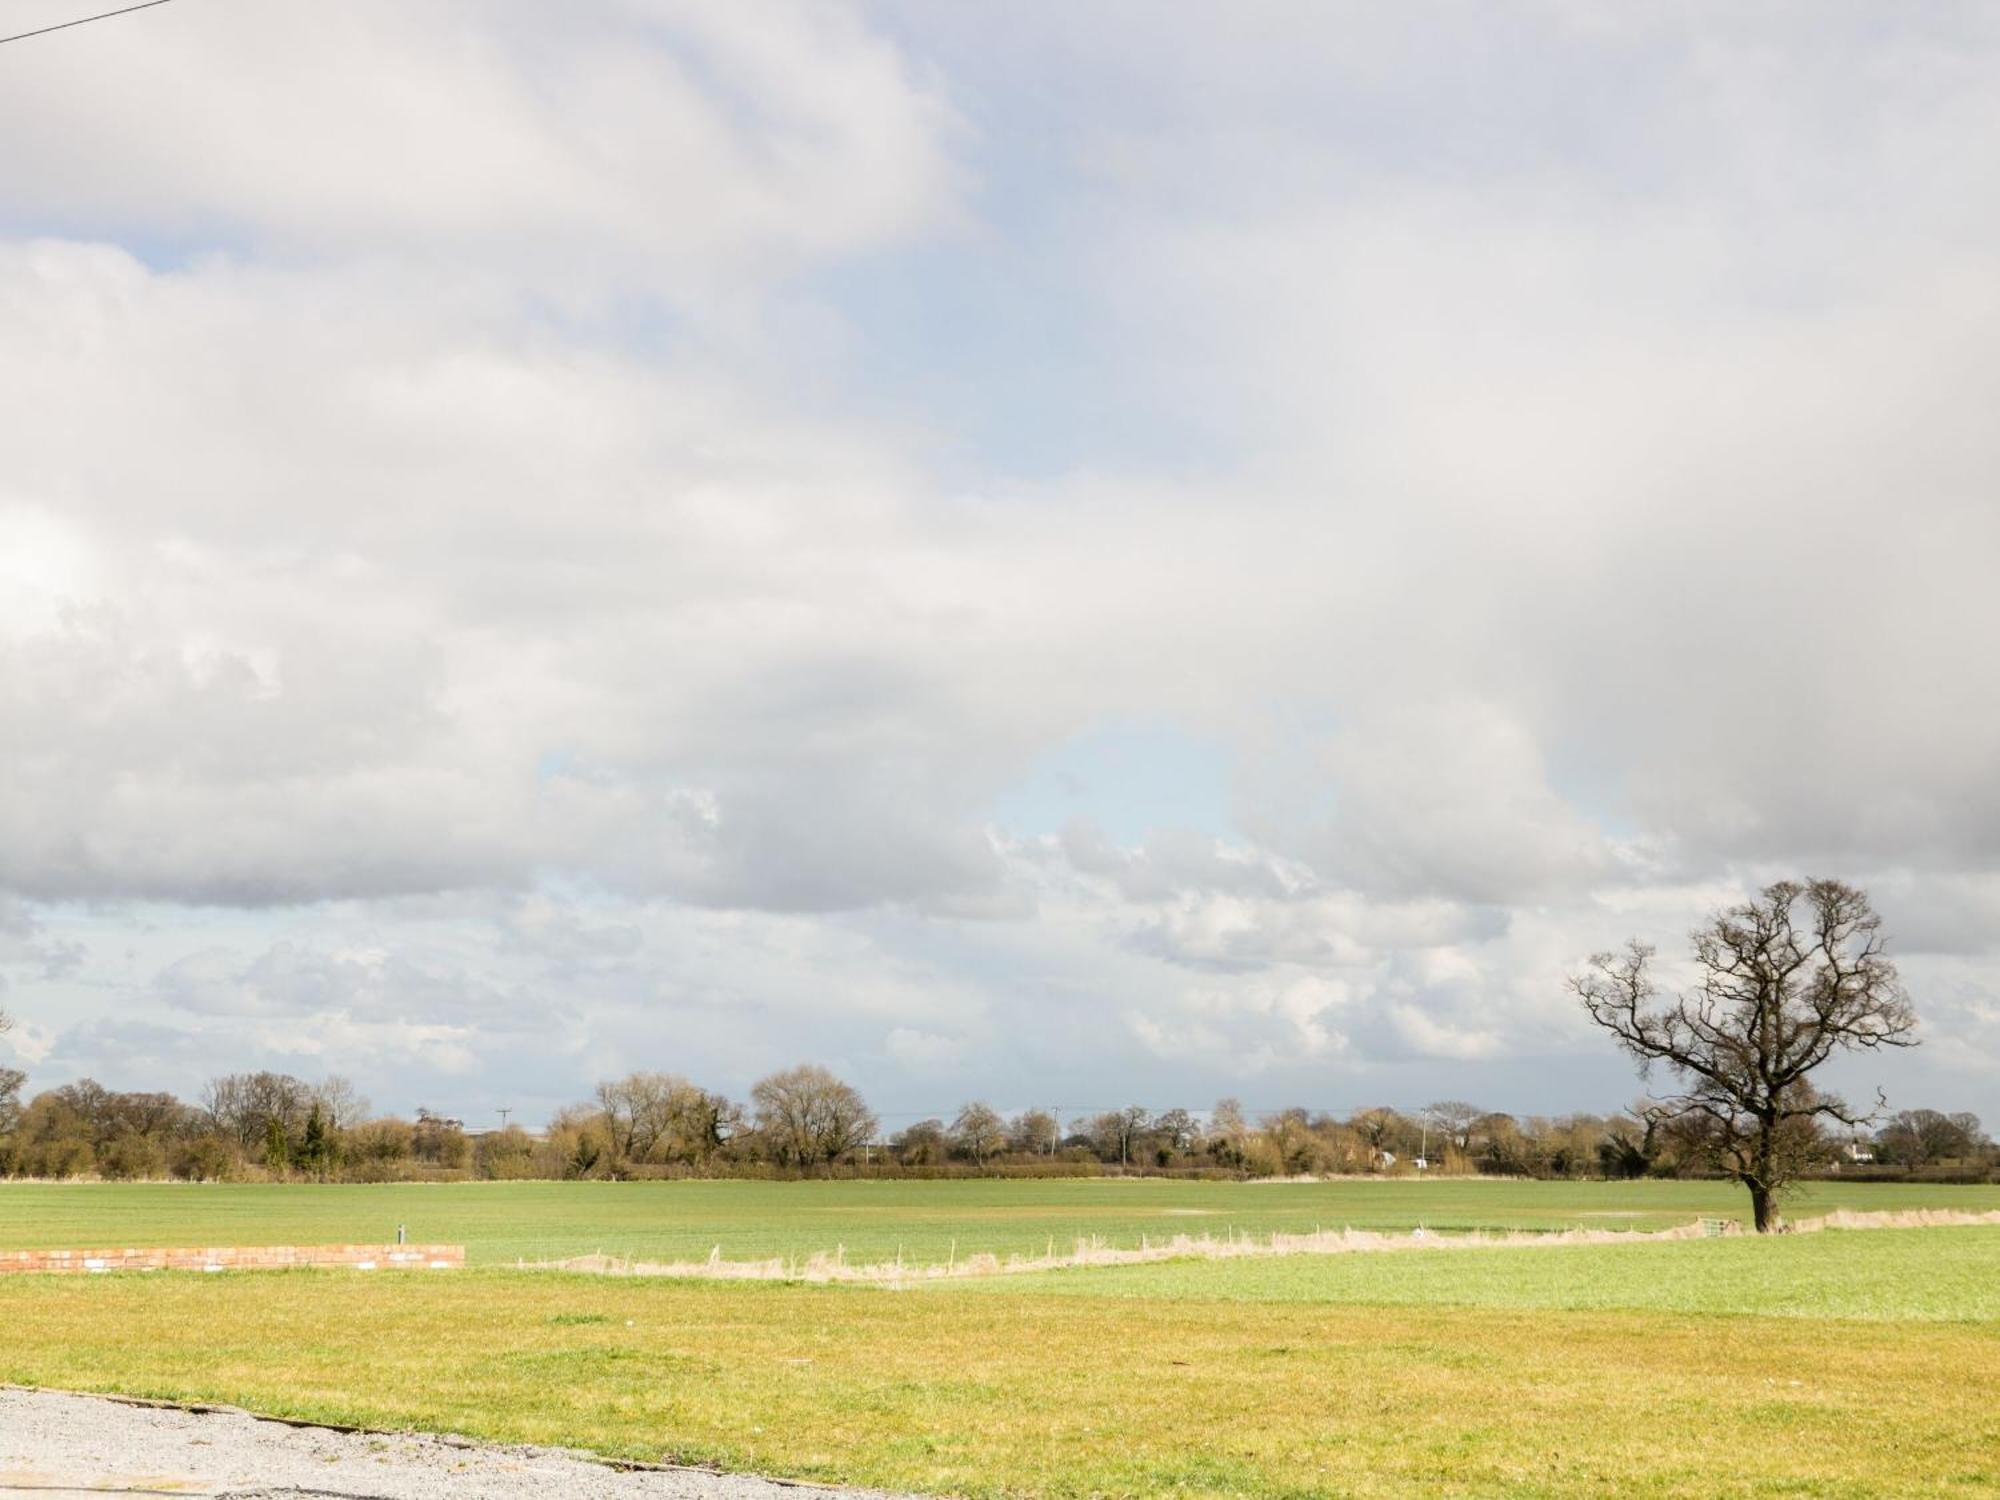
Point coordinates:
pixel 803 1121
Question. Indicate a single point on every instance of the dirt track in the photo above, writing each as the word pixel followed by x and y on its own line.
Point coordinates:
pixel 54 1445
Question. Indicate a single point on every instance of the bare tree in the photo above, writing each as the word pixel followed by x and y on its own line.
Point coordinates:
pixel 704 1122
pixel 340 1103
pixel 1456 1119
pixel 639 1112
pixel 809 1117
pixel 979 1131
pixel 1918 1137
pixel 1787 979
pixel 662 1117
pixel 920 1145
pixel 1382 1130
pixel 1116 1132
pixel 1228 1131
pixel 257 1108
pixel 1034 1131
pixel 1177 1129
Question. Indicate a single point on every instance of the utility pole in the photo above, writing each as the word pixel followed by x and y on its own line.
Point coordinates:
pixel 505 1111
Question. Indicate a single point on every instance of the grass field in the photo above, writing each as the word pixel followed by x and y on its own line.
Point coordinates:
pixel 927 1221
pixel 1837 1364
pixel 1906 1275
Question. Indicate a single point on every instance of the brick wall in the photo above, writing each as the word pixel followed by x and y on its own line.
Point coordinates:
pixel 237 1258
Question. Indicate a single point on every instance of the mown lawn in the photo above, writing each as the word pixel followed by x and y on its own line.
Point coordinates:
pixel 926 1221
pixel 1475 1376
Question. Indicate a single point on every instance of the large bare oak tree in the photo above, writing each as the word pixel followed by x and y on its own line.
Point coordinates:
pixel 1787 979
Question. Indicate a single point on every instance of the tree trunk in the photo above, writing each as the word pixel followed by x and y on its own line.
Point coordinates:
pixel 1762 1208
pixel 1763 1178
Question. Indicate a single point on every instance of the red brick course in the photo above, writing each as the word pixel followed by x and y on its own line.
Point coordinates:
pixel 237 1258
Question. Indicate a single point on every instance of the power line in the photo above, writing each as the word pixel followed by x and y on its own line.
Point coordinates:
pixel 22 36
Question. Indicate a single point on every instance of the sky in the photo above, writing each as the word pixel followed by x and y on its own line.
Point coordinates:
pixel 1067 555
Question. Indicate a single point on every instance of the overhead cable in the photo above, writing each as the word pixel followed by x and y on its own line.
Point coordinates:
pixel 22 36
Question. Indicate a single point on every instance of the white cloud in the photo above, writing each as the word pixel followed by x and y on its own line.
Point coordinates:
pixel 1427 1037
pixel 924 1051
pixel 1439 799
pixel 495 543
pixel 1252 1026
pixel 678 149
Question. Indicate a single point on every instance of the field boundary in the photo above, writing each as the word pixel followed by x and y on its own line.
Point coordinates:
pixel 232 1258
pixel 834 1266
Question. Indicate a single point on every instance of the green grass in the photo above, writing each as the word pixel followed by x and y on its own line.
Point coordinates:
pixel 1881 1275
pixel 1834 1365
pixel 502 1222
pixel 1035 1392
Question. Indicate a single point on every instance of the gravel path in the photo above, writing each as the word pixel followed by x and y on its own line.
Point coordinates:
pixel 54 1445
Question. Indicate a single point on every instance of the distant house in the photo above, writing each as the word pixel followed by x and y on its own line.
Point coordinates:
pixel 1857 1153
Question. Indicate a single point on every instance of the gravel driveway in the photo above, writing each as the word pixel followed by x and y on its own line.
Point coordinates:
pixel 54 1445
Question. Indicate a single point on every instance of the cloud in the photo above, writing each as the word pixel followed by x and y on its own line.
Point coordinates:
pixel 924 1051
pixel 595 542
pixel 1254 1027
pixel 1439 799
pixel 27 947
pixel 1426 1037
pixel 568 940
pixel 370 985
pixel 362 703
pixel 629 146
